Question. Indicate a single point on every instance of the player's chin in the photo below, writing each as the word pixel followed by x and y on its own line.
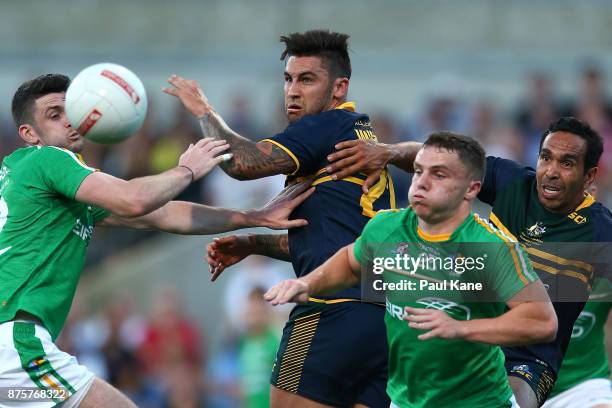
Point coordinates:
pixel 76 145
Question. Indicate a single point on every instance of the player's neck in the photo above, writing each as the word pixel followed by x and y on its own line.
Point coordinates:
pixel 446 225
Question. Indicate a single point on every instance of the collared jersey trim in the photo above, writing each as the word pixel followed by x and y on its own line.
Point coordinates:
pixel 433 237
pixel 500 226
pixel 349 106
pixel 588 201
pixel 74 157
pixel 286 150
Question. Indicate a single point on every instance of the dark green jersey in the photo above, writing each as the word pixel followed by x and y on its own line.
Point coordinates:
pixel 437 372
pixel 44 233
pixel 562 247
pixel 586 357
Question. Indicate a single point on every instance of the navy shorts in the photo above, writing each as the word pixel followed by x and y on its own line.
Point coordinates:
pixel 537 374
pixel 335 354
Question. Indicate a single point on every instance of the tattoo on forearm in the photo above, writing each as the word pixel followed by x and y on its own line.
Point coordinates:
pixel 273 246
pixel 251 160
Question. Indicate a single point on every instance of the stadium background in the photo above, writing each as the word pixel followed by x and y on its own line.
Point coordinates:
pixel 146 317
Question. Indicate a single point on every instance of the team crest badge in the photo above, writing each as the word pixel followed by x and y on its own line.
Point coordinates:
pixel 536 230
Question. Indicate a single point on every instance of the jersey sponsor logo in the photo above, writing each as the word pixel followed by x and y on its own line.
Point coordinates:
pixel 453 309
pixel 583 325
pixel 85 232
pixel 578 219
pixel 536 230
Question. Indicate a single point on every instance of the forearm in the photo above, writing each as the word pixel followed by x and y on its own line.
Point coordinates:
pixel 515 327
pixel 402 154
pixel 250 160
pixel 271 245
pixel 333 275
pixel 152 192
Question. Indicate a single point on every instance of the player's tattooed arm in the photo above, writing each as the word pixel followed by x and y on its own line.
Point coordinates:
pixel 251 160
pixel 227 251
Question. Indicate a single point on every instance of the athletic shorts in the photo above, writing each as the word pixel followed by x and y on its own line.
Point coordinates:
pixel 335 354
pixel 511 401
pixel 34 373
pixel 537 374
pixel 584 395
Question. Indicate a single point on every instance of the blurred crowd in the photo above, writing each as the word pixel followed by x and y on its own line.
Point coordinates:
pixel 161 359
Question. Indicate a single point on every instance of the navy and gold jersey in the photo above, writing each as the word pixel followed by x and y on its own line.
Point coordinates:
pixel 338 210
pixel 566 250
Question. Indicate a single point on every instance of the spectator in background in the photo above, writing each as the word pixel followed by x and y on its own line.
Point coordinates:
pixel 498 138
pixel 535 113
pixel 257 351
pixel 171 339
pixel 240 117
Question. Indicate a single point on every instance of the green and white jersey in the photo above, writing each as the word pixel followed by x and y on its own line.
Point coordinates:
pixel 44 233
pixel 586 357
pixel 437 372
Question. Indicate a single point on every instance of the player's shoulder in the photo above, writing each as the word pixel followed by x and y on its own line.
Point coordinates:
pixel 601 217
pixel 482 230
pixel 388 218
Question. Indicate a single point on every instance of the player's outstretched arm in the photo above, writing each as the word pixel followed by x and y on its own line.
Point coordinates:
pixel 355 156
pixel 341 271
pixel 251 160
pixel 531 319
pixel 180 217
pixel 142 195
pixel 227 251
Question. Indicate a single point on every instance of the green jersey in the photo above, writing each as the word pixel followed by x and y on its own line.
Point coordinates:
pixel 586 357
pixel 437 372
pixel 256 356
pixel 44 233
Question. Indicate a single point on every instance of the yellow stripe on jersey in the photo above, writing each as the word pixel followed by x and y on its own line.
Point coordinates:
pixel 500 226
pixel 565 272
pixel 433 237
pixel 587 202
pixel 561 261
pixel 349 106
pixel 367 200
pixel 286 150
pixel 511 243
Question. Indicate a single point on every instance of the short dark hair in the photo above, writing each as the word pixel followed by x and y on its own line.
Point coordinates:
pixel 331 47
pixel 594 142
pixel 469 150
pixel 29 91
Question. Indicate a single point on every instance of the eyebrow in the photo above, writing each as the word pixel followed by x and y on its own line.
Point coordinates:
pixel 567 156
pixel 302 73
pixel 434 168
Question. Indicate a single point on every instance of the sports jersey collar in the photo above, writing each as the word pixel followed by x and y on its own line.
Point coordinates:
pixel 433 237
pixel 350 106
pixel 587 202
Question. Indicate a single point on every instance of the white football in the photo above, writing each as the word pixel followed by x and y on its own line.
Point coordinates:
pixel 106 103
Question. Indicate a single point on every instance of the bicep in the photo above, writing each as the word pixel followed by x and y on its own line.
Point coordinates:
pixel 353 262
pixel 106 191
pixel 262 159
pixel 534 293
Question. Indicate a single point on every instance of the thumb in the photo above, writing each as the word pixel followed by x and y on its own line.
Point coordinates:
pixel 370 181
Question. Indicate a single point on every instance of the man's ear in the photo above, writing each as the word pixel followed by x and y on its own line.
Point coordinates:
pixel 28 134
pixel 589 177
pixel 473 190
pixel 340 88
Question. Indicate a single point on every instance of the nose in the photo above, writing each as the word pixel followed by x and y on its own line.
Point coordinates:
pixel 421 182
pixel 552 170
pixel 293 88
pixel 67 123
